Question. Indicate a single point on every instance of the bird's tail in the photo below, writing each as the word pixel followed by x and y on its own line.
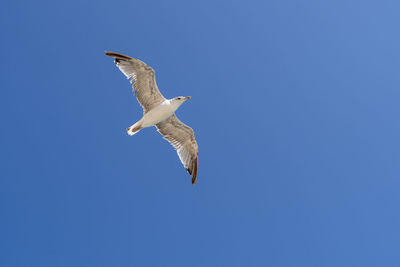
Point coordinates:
pixel 134 128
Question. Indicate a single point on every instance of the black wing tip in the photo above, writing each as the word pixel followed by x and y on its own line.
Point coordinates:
pixel 194 177
pixel 117 55
pixel 194 170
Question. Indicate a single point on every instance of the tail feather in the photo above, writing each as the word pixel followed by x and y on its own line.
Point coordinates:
pixel 134 128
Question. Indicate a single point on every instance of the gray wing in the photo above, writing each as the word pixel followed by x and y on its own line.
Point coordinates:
pixel 143 79
pixel 182 139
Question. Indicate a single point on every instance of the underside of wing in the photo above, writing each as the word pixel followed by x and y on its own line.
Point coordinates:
pixel 143 79
pixel 183 140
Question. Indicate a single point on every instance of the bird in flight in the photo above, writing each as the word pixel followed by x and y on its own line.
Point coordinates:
pixel 159 112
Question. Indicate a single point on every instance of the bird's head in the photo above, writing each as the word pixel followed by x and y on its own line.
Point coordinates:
pixel 180 99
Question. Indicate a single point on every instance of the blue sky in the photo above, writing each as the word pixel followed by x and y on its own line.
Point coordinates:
pixel 295 106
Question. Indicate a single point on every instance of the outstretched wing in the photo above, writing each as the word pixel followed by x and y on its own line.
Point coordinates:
pixel 143 79
pixel 182 139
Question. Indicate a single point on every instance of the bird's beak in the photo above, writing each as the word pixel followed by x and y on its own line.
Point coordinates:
pixel 186 98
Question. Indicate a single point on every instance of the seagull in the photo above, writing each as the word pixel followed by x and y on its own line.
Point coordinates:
pixel 159 112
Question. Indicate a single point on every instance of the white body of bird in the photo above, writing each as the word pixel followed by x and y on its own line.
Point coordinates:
pixel 157 114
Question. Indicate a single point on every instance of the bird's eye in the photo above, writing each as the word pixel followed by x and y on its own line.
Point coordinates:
pixel 179 98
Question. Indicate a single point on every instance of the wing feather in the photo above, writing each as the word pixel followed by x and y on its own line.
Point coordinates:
pixel 143 78
pixel 183 140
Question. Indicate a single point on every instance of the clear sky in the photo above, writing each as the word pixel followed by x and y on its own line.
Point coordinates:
pixel 295 106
